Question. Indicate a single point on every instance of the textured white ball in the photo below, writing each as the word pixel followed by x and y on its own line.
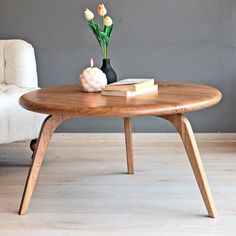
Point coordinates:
pixel 93 80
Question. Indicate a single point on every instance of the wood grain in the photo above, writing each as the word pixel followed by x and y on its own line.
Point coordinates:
pixel 172 98
pixel 129 144
pixel 69 101
pixel 185 130
pixel 48 127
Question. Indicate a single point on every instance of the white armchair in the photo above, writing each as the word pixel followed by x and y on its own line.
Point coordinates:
pixel 18 75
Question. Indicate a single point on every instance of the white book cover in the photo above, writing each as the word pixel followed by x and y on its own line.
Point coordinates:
pixel 132 81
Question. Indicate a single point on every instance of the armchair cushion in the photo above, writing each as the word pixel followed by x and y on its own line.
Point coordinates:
pixel 17 64
pixel 2 61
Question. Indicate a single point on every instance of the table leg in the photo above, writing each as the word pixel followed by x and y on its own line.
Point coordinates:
pixel 48 128
pixel 184 128
pixel 129 144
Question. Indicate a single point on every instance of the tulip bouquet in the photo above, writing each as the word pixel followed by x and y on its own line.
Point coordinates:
pixel 102 34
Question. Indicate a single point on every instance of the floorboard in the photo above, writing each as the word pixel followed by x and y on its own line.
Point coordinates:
pixel 83 188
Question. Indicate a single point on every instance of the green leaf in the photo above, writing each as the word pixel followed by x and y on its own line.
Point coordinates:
pixel 107 34
pixel 106 30
pixel 95 28
pixel 104 36
pixel 109 30
pixel 91 26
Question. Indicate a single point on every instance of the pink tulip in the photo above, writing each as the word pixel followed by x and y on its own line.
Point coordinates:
pixel 102 11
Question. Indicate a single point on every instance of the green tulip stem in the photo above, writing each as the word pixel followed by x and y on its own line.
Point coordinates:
pixel 106 51
pixel 102 23
pixel 105 46
pixel 103 50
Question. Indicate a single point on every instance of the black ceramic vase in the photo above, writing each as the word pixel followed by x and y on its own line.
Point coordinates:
pixel 108 70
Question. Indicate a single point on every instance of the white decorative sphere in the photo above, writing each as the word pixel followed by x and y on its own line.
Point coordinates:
pixel 93 80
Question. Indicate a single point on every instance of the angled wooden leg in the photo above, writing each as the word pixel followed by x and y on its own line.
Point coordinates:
pixel 185 130
pixel 33 146
pixel 129 144
pixel 48 127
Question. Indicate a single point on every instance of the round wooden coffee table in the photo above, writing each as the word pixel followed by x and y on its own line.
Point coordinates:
pixel 68 101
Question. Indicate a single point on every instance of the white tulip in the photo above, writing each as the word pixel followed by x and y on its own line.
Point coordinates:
pixel 107 21
pixel 88 14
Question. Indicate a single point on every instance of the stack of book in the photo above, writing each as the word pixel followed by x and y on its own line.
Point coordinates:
pixel 130 87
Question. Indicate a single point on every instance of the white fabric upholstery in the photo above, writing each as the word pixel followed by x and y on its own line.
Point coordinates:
pixel 18 75
pixel 17 63
pixel 2 61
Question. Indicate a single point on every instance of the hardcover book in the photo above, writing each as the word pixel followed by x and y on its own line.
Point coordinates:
pixel 131 84
pixel 123 93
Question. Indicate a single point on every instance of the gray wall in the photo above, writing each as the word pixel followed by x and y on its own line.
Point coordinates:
pixel 180 40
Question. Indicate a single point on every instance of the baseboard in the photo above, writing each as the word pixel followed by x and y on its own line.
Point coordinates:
pixel 141 137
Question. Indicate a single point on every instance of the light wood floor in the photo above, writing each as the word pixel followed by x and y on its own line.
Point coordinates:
pixel 83 188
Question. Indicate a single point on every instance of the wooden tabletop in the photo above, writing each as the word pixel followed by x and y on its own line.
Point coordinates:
pixel 172 98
